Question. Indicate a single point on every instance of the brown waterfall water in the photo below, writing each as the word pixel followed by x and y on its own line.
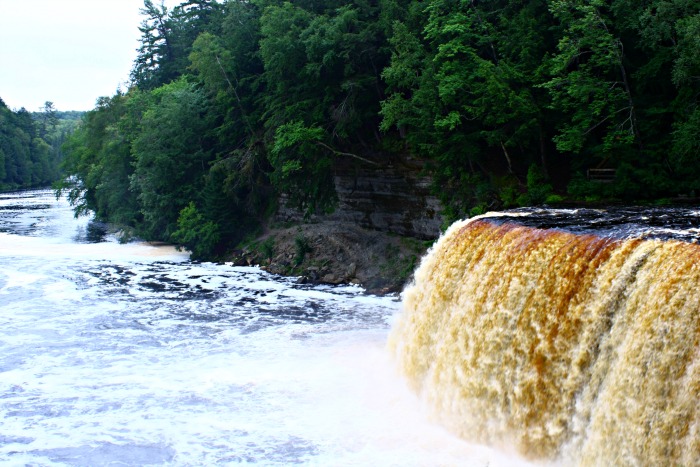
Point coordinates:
pixel 572 348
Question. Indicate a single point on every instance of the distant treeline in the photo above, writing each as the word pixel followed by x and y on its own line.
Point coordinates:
pixel 509 102
pixel 30 145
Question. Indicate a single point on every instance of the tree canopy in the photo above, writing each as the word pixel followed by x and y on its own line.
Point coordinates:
pixel 508 102
pixel 30 145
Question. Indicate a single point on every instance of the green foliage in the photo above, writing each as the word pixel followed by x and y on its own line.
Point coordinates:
pixel 464 94
pixel 268 248
pixel 98 163
pixel 167 38
pixel 401 262
pixel 234 104
pixel 303 167
pixel 171 155
pixel 30 152
pixel 686 147
pixel 195 233
pixel 538 190
pixel 589 80
pixel 301 248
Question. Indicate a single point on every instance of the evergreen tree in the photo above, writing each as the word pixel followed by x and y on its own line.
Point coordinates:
pixel 506 102
pixel 156 58
pixel 98 164
pixel 171 154
pixel 322 75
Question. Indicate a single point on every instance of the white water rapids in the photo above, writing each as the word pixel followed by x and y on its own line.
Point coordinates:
pixel 130 354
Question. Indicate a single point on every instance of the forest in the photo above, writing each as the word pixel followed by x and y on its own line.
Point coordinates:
pixel 508 103
pixel 30 145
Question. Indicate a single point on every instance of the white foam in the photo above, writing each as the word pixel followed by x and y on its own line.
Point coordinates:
pixel 110 356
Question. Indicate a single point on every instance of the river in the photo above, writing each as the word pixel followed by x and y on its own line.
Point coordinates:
pixel 131 354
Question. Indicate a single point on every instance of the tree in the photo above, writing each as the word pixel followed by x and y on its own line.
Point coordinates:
pixel 48 120
pixel 154 64
pixel 172 154
pixel 190 19
pixel 322 82
pixel 503 102
pixel 17 135
pixel 463 93
pixel 98 163
pixel 590 82
pixel 199 235
pixel 303 169
pixel 28 158
pixel 167 38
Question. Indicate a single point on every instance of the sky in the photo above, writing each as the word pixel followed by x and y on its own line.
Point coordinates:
pixel 69 52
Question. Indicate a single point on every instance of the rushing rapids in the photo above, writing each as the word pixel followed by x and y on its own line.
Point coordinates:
pixel 571 347
pixel 130 354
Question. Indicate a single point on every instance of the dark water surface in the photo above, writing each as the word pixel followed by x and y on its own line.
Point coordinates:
pixel 662 223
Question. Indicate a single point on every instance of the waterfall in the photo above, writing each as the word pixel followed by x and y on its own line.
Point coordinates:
pixel 572 348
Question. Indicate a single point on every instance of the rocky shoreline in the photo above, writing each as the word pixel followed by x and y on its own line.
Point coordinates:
pixel 335 252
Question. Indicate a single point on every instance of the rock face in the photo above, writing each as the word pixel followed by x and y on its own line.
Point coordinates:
pixel 385 220
pixel 393 198
pixel 337 252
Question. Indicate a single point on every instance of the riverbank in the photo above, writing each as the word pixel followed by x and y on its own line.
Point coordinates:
pixel 336 252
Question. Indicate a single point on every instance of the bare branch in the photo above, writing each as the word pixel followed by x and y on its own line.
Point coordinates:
pixel 340 153
pixel 505 153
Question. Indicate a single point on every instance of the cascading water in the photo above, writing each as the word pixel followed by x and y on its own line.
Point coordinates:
pixel 575 348
pixel 132 355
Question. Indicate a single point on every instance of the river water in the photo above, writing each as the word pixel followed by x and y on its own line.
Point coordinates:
pixel 130 354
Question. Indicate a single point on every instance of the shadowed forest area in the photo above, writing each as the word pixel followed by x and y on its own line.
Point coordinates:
pixel 507 103
pixel 30 145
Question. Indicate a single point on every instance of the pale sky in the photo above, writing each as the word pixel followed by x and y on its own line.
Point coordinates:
pixel 69 52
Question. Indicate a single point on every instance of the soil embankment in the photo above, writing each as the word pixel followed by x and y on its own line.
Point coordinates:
pixel 336 252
